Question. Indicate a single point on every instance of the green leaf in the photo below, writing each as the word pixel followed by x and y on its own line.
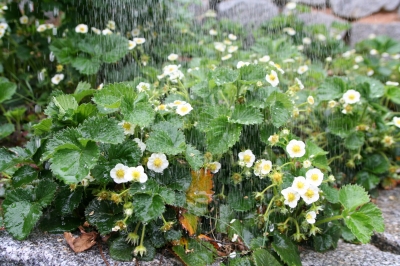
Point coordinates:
pixel 262 257
pixel 368 180
pixel 347 234
pixel 376 88
pixel 7 89
pixel 168 140
pixel 66 104
pixel 240 200
pixel 56 224
pixel 23 176
pixel 102 129
pixel 148 207
pixel 375 214
pixel 222 135
pixel 225 216
pixel 280 108
pixel 19 194
pixel 354 141
pixel 141 114
pixel 103 214
pixel 224 75
pixel 43 126
pixel 360 225
pixel 252 73
pixel 286 250
pixel 6 130
pixel 331 194
pixel 203 253
pixel 82 90
pixel 120 250
pixel 341 126
pixel 332 88
pixel 66 139
pixel 71 165
pixel 246 115
pixel 167 194
pixel 20 218
pixel 244 261
pixel 352 196
pixel 376 163
pixel 44 192
pixel 173 235
pixel 194 157
pixel 127 152
pixel 113 47
pixel 66 200
pixel 313 150
pixel 86 66
pixel 393 94
pixel 85 111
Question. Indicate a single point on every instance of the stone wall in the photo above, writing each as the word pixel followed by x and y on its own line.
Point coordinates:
pixel 378 17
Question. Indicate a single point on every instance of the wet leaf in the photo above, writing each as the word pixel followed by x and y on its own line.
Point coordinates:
pixel 82 90
pixel 286 250
pixel 262 257
pixel 194 157
pixel 43 126
pixel 360 225
pixel 354 141
pixel 148 207
pixel 168 140
pixel 44 192
pixel 103 214
pixel 121 250
pixel 200 190
pixel 331 194
pixel 81 243
pixel 54 224
pixel 246 115
pixel 224 75
pixel 376 163
pixel 23 176
pixel 352 196
pixel 280 108
pixel 7 89
pixel 6 130
pixel 375 214
pixel 20 218
pixel 368 180
pixel 66 200
pixel 222 135
pixel 196 254
pixel 331 88
pixel 102 129
pixel 189 222
pixel 141 114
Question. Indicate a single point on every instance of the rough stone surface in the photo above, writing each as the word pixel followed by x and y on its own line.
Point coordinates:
pixel 199 9
pixel 48 250
pixel 316 3
pixel 319 18
pixel 350 254
pixel 360 31
pixel 355 9
pixel 388 202
pixel 247 12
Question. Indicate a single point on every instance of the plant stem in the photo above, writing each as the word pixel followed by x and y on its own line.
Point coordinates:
pixel 270 186
pixel 333 218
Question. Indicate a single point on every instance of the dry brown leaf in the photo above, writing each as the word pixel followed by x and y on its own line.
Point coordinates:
pixel 189 222
pixel 200 190
pixel 82 242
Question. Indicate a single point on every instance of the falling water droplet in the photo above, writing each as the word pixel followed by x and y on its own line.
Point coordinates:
pixel 38 108
pixel 49 39
pixel 271 227
pixel 51 57
pixel 47 165
pixel 30 6
pixel 38 142
pixel 41 76
pixel 291 210
pixel 54 31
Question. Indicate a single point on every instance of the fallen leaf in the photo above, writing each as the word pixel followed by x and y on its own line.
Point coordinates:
pixel 82 242
pixel 189 222
pixel 200 190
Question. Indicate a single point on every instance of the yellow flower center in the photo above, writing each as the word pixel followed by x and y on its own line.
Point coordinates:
pixel 136 175
pixel 291 197
pixel 184 109
pixel 266 167
pixel 309 193
pixel 300 185
pixel 161 107
pixel 272 77
pixel 314 177
pixel 212 167
pixel 277 177
pixel 126 126
pixel 296 148
pixel 352 97
pixel 120 173
pixel 157 162
pixel 82 28
pixel 246 158
pixel 309 216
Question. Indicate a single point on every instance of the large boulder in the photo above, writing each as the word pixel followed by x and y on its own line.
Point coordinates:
pixel 316 17
pixel 316 3
pixel 355 9
pixel 248 12
pixel 361 31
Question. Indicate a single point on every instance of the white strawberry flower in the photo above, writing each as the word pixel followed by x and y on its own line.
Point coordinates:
pixel 111 25
pixel 141 144
pixel 241 64
pixel 232 37
pixel 143 86
pixel 310 217
pixel 302 69
pixel 137 174
pixel 392 83
pixel 57 78
pixel 96 30
pixel 307 164
pixel 351 97
pixel 23 20
pixel 272 78
pixel 247 157
pixel 311 195
pixel 396 121
pixel 310 100
pixel 291 197
pixel 173 57
pixel 120 174
pixel 232 49
pixel 184 109
pixel 129 128
pixel 106 32
pixel 296 148
pixel 300 184
pixel 213 32
pixel 214 167
pixel 135 32
pixel 157 162
pixel 314 177
pixel 81 28
pixel 262 167
pixel 41 28
pixel 264 59
pixel 299 83
pixel 139 40
pixel 131 45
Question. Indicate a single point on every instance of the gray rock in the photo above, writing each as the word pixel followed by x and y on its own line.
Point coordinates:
pixel 350 254
pixel 316 3
pixel 360 31
pixel 319 18
pixel 354 9
pixel 199 9
pixel 248 12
